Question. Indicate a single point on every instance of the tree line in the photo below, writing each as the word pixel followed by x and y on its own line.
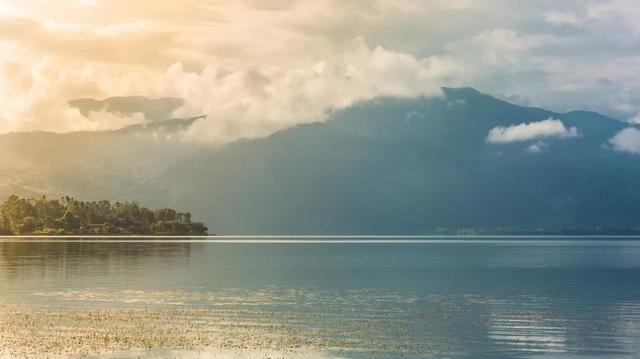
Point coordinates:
pixel 69 216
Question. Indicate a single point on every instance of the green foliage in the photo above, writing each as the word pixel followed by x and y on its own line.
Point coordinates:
pixel 67 215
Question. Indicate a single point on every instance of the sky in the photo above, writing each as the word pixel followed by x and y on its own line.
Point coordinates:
pixel 258 66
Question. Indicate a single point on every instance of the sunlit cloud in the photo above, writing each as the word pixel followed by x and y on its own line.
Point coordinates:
pixel 258 66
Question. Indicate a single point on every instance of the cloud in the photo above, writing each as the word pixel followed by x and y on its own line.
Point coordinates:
pixel 627 140
pixel 134 43
pixel 562 18
pixel 536 147
pixel 36 97
pixel 256 101
pixel 243 58
pixel 103 120
pixel 549 128
pixel 241 101
pixel 635 119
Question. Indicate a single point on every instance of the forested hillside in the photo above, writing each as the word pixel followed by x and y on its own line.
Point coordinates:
pixel 69 216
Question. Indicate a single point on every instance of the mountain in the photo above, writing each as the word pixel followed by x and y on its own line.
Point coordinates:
pixel 160 109
pixel 160 127
pixel 385 166
pixel 90 165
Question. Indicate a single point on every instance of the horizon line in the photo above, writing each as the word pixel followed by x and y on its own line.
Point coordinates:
pixel 311 235
pixel 314 239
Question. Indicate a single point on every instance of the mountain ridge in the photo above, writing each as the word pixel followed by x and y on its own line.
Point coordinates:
pixel 154 109
pixel 384 166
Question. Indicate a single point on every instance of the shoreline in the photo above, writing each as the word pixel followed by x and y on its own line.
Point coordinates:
pixel 320 239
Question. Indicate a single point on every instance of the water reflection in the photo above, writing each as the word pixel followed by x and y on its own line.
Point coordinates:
pixel 69 257
pixel 444 299
pixel 27 266
pixel 579 326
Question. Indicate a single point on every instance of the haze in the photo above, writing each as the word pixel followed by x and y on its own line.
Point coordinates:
pixel 255 67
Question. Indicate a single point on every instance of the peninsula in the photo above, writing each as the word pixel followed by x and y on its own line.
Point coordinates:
pixel 69 216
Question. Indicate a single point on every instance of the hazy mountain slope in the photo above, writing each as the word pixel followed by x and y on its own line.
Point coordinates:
pixel 387 166
pixel 90 165
pixel 410 166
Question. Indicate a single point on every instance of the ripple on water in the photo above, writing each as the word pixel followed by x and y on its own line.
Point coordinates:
pixel 353 323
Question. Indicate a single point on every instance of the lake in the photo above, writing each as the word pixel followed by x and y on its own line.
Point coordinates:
pixel 325 298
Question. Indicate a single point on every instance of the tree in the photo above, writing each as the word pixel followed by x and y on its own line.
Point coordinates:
pixel 70 222
pixel 68 215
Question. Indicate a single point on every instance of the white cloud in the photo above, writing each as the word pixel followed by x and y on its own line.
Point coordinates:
pixel 7 9
pixel 549 128
pixel 103 120
pixel 563 55
pixel 536 147
pixel 36 97
pixel 635 119
pixel 562 18
pixel 627 140
pixel 253 102
pixel 241 101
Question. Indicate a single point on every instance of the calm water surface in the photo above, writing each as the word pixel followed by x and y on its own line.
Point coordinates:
pixel 465 299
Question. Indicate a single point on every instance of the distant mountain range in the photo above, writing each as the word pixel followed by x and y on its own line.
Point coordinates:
pixel 386 166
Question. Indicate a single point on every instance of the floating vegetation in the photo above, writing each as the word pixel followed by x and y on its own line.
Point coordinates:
pixel 278 322
pixel 36 333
